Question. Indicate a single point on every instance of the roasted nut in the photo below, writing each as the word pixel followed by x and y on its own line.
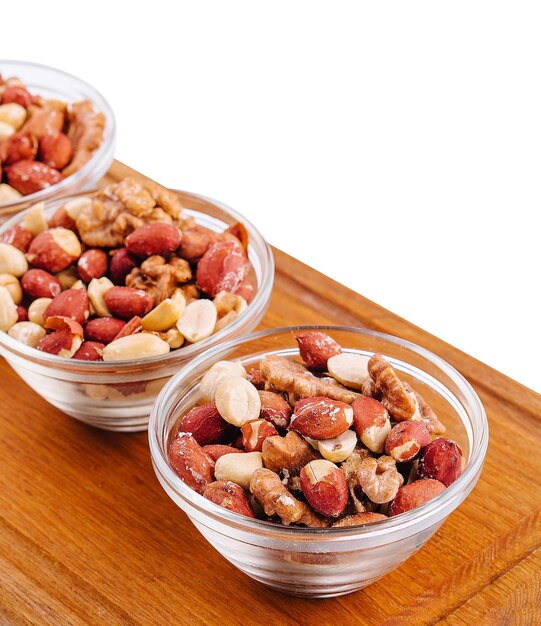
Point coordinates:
pixel 379 478
pixel 22 314
pixel 68 278
pixel 230 496
pixel 13 114
pixel 205 425
pixel 222 268
pixel 31 176
pixel 275 499
pixel 321 418
pixel 55 150
pixel 288 453
pixel 12 260
pixel 54 249
pixel 325 487
pixel 349 368
pixel 226 302
pixel 254 434
pixel 317 348
pixel 126 302
pixel 238 467
pixel 92 264
pixel 8 310
pixel 132 327
pixel 13 285
pixel 371 422
pixel 27 332
pixel 213 376
pixel 189 461
pixel 198 320
pixel 254 376
pixel 339 448
pixel 401 403
pixel 16 235
pixel 72 303
pixel 155 238
pixel 103 329
pixel 174 338
pixel 161 278
pixel 122 263
pixel 441 459
pixel 162 317
pixel 275 409
pixel 65 341
pixel 415 494
pixel 237 400
pixel 17 147
pixel 60 219
pixel 405 441
pixel 215 451
pixel 75 206
pixel 97 288
pixel 359 519
pixel 40 284
pixel 195 242
pixel 34 219
pixel 37 309
pixel 90 351
pixel 17 94
pixel 138 346
pixel 6 130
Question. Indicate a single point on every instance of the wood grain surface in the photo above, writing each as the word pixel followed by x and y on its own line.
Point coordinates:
pixel 87 535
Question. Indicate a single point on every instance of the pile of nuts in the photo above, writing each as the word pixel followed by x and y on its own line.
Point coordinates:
pixel 119 275
pixel 338 440
pixel 42 141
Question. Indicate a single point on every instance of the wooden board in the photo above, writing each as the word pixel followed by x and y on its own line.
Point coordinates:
pixel 87 535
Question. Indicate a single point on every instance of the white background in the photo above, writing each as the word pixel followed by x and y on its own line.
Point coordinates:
pixel 394 146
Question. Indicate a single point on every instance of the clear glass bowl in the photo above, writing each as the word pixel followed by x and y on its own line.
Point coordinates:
pixel 119 395
pixel 332 561
pixel 50 82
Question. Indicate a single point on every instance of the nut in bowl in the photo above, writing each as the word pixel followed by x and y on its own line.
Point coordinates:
pixel 57 135
pixel 319 465
pixel 104 297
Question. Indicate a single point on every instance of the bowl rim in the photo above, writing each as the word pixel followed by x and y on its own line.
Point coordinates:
pixel 259 302
pixel 373 529
pixel 108 143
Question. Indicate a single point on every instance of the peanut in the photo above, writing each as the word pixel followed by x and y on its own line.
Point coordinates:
pixel 37 309
pixel 7 193
pixel 28 333
pixel 198 320
pixel 339 448
pixel 238 467
pixel 6 130
pixel 12 260
pixel 237 400
pixel 97 288
pixel 13 285
pixel 163 317
pixel 74 207
pixel 8 310
pixel 138 346
pixel 220 370
pixel 349 368
pixel 34 220
pixel 68 278
pixel 13 114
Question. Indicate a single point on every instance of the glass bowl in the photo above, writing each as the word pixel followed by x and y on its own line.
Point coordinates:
pixel 331 561
pixel 119 395
pixel 50 82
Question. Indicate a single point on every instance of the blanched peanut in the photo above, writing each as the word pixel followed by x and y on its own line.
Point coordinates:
pixel 28 333
pixel 37 309
pixel 13 285
pixel 179 299
pixel 13 114
pixel 75 206
pixel 174 338
pixel 163 317
pixel 7 193
pixel 225 302
pixel 349 368
pixel 13 261
pixel 138 346
pixel 68 278
pixel 97 288
pixel 238 467
pixel 339 448
pixel 219 371
pixel 237 400
pixel 198 320
pixel 6 130
pixel 8 310
pixel 34 220
pixel 78 284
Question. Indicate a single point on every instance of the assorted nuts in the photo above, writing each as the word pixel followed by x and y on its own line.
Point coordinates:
pixel 112 262
pixel 42 141
pixel 298 443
